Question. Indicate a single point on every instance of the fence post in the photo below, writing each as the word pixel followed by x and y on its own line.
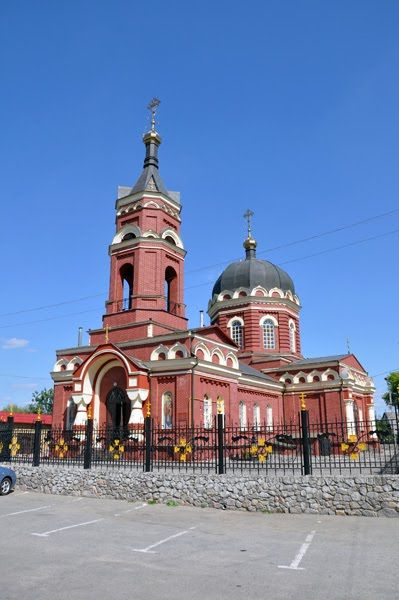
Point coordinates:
pixel 8 438
pixel 148 442
pixel 307 466
pixel 89 439
pixel 37 441
pixel 220 433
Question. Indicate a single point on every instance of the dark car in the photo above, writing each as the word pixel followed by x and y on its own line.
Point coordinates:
pixel 7 480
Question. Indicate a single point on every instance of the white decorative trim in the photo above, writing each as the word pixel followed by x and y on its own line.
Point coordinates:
pixel 155 353
pixel 298 376
pixel 279 292
pixel 286 376
pixel 205 350
pixel 239 290
pixel 234 359
pixel 268 318
pixel 58 365
pixel 178 346
pixel 259 288
pixel 171 233
pixel 225 293
pixel 240 319
pixel 327 372
pixel 73 362
pixel 150 234
pixel 124 231
pixel 313 374
pixel 219 353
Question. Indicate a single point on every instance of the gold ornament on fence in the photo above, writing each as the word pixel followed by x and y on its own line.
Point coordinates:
pixel 1 446
pixel 15 446
pixel 352 447
pixel 183 448
pixel 261 450
pixel 61 448
pixel 116 449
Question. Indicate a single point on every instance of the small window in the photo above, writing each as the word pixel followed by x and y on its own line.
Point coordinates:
pixel 236 333
pixel 256 417
pixel 269 417
pixel 207 412
pixel 242 414
pixel 269 338
pixel 292 337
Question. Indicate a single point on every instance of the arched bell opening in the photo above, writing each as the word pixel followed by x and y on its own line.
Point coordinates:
pixel 127 276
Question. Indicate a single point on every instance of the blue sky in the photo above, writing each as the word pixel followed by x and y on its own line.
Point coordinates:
pixel 289 108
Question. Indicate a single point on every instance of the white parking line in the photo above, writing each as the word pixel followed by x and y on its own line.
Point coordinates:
pixel 47 533
pixel 20 512
pixel 130 510
pixel 171 537
pixel 302 551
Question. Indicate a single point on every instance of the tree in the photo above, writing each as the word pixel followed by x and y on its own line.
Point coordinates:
pixel 14 408
pixel 391 397
pixel 42 401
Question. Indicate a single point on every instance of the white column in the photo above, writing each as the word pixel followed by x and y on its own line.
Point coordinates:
pixel 350 417
pixel 136 416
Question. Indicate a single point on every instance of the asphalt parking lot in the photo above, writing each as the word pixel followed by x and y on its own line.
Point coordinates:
pixel 62 547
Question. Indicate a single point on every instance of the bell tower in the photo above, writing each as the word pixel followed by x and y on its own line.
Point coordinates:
pixel 147 253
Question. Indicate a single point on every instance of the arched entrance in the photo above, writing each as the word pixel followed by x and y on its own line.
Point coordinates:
pixel 118 410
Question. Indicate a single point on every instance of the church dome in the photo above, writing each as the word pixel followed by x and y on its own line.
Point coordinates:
pixel 252 272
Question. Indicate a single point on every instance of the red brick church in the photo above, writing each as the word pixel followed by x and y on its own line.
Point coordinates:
pixel 145 358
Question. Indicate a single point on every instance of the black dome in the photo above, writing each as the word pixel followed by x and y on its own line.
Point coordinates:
pixel 252 272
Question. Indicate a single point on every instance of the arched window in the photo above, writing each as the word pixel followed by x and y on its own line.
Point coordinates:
pixel 269 338
pixel 242 415
pixel 70 413
pixel 207 412
pixel 236 333
pixel 167 410
pixel 256 417
pixel 126 274
pixel 269 417
pixel 292 336
pixel 170 290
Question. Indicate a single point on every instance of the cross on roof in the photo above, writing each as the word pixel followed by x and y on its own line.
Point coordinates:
pixel 248 216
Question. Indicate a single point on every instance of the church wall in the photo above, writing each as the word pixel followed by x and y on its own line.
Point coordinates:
pixel 62 393
pixel 251 397
pixel 214 388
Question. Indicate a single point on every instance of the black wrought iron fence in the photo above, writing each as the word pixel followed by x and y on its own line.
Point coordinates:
pixel 278 449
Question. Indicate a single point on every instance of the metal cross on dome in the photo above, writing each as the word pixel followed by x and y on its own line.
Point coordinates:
pixel 152 106
pixel 248 216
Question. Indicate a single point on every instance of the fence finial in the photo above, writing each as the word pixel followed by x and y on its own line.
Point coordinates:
pixel 302 398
